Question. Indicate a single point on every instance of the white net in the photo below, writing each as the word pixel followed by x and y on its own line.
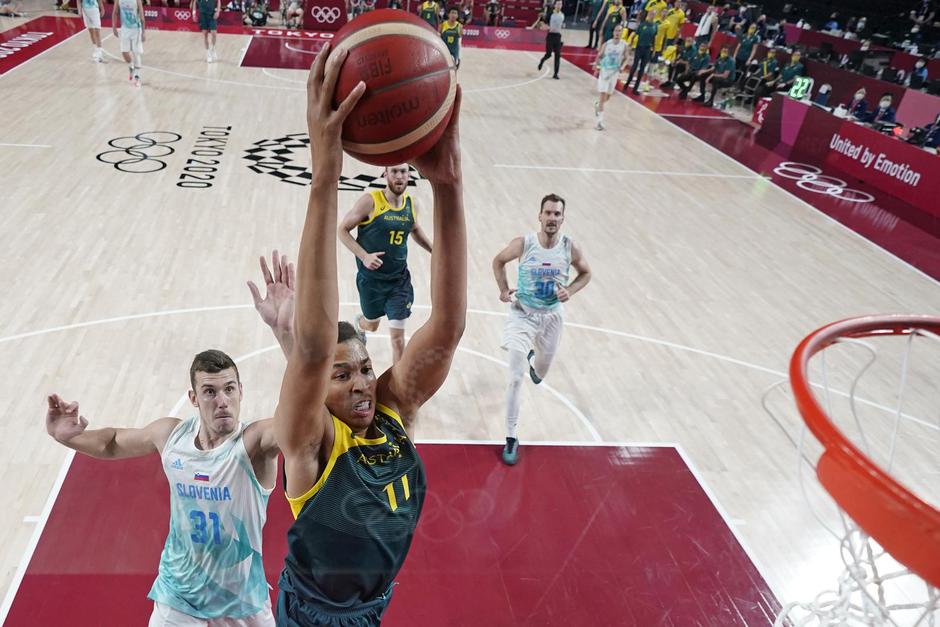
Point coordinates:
pixel 883 393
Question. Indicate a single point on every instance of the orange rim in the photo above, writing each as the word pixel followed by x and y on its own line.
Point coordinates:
pixel 905 525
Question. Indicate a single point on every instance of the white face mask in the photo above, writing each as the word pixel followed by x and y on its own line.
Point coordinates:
pixel 885 104
pixel 919 64
pixel 859 95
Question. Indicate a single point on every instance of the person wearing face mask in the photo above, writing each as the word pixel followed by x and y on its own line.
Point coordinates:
pixel 699 69
pixel 767 71
pixel 723 76
pixel 788 74
pixel 932 137
pixel 858 106
pixel 645 37
pixel 918 76
pixel 885 112
pixel 746 49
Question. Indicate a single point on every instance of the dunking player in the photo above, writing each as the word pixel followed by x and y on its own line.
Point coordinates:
pixel 133 34
pixel 221 473
pixel 383 220
pixel 533 329
pixel 354 480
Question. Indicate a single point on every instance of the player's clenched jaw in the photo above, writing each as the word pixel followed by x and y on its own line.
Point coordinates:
pixel 218 396
pixel 351 395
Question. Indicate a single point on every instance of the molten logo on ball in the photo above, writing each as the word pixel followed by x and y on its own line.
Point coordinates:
pixel 389 114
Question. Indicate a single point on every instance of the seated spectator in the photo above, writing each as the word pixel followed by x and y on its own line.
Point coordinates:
pixel 932 134
pixel 685 52
pixel 858 106
pixel 394 4
pixel 833 23
pixel 722 76
pixel 767 71
pixel 885 112
pixel 494 13
pixel 784 81
pixel 779 39
pixel 919 73
pixel 761 25
pixel 700 67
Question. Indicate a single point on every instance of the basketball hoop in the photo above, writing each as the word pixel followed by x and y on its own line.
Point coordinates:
pixel 891 535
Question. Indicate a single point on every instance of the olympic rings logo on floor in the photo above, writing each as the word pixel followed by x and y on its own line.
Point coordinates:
pixel 811 178
pixel 502 33
pixel 183 15
pixel 325 14
pixel 138 154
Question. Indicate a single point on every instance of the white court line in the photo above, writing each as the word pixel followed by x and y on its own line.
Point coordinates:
pixel 37 533
pixel 723 118
pixel 782 189
pixel 729 522
pixel 205 78
pixel 245 51
pixel 300 50
pixel 13 69
pixel 614 171
pixel 286 80
pixel 27 145
pixel 43 518
pixel 478 90
pixel 553 443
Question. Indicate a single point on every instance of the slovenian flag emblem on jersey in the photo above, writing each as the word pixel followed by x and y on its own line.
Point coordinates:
pixel 201 477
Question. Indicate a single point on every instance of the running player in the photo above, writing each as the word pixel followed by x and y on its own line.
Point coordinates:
pixel 354 480
pixel 533 329
pixel 384 219
pixel 221 473
pixel 611 61
pixel 133 35
pixel 91 15
pixel 206 14
pixel 451 32
pixel 429 12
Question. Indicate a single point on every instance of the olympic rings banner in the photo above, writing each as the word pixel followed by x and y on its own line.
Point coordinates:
pixel 174 15
pixel 324 15
pixel 843 153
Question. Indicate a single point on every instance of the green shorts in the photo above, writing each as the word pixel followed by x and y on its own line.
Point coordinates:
pixel 207 20
pixel 389 298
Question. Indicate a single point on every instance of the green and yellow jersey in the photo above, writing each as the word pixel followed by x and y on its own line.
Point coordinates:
pixel 386 230
pixel 451 34
pixel 353 528
pixel 429 13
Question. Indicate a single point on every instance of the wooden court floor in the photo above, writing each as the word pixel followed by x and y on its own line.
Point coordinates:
pixel 705 274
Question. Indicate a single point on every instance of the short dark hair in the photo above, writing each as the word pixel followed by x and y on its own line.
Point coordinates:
pixel 348 332
pixel 211 361
pixel 552 198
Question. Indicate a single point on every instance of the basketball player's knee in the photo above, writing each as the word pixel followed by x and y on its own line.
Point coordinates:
pixel 369 325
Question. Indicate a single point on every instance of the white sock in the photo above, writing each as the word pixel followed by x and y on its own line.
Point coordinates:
pixel 600 118
pixel 518 366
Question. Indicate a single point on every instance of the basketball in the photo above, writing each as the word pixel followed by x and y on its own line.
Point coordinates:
pixel 410 81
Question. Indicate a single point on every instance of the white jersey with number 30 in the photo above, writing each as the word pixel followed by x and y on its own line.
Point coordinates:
pixel 541 270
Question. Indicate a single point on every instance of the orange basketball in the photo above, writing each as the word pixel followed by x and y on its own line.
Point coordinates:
pixel 410 81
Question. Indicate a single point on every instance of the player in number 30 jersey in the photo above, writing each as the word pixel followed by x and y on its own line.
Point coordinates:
pixel 533 329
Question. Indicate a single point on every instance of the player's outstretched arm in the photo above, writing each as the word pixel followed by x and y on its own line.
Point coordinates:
pixel 426 361
pixel 358 214
pixel 277 307
pixel 69 428
pixel 512 251
pixel 301 417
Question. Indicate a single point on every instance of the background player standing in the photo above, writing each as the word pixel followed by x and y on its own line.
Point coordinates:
pixel 429 12
pixel 91 16
pixel 533 330
pixel 132 36
pixel 451 32
pixel 206 14
pixel 384 219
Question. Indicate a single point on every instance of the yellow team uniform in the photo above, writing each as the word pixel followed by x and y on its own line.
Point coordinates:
pixel 630 37
pixel 673 21
pixel 669 53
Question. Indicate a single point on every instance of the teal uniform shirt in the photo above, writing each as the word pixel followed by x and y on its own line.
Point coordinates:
pixel 645 34
pixel 688 54
pixel 768 67
pixel 353 528
pixel 747 43
pixel 725 65
pixel 700 61
pixel 791 71
pixel 386 230
pixel 205 7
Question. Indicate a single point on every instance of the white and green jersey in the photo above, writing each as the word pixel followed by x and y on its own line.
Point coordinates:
pixel 614 52
pixel 211 564
pixel 129 17
pixel 540 270
pixel 90 4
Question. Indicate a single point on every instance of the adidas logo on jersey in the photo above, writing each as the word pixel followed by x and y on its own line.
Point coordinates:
pixel 177 464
